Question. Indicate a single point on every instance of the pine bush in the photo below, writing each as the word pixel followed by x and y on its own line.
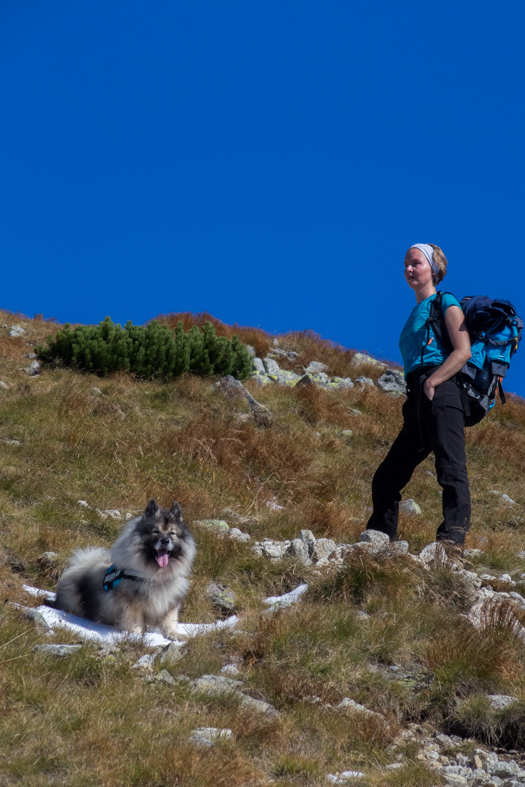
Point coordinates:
pixel 151 351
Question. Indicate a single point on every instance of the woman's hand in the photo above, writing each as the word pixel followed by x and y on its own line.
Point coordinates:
pixel 429 389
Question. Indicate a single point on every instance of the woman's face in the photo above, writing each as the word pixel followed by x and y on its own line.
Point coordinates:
pixel 418 272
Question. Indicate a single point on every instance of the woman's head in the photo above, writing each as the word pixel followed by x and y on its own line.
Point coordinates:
pixel 433 256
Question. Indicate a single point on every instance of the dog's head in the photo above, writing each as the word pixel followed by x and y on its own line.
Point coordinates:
pixel 165 536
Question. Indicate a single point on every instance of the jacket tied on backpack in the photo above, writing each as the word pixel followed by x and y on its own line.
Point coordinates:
pixel 495 332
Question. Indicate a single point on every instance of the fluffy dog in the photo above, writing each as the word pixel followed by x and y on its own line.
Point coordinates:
pixel 141 583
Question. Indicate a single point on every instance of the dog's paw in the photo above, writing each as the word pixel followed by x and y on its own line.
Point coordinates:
pixel 171 632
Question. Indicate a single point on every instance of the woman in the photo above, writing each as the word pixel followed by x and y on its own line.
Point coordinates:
pixel 433 415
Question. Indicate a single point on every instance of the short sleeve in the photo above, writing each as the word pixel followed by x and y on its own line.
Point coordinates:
pixel 449 300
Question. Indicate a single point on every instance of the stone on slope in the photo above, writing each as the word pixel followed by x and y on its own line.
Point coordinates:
pixel 33 369
pixel 258 365
pixel 355 707
pixel 271 366
pixel 314 367
pixel 340 383
pixel 56 650
pixel 360 359
pixel 238 535
pixel 364 381
pixel 392 381
pixel 409 506
pixel 324 548
pixel 299 549
pixel 214 525
pixel 209 736
pixel 221 596
pixel 375 537
pixel 501 701
pixel 433 551
pixel 16 330
pixel 233 389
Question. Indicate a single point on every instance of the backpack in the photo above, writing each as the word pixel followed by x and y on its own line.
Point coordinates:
pixel 495 332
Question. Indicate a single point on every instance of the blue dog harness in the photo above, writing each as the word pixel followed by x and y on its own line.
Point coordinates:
pixel 114 577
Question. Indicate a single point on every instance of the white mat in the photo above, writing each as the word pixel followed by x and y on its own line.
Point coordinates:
pixel 99 632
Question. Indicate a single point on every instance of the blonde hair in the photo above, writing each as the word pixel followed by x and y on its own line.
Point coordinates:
pixel 441 261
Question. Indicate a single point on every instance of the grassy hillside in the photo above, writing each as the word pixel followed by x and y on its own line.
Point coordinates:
pixel 116 443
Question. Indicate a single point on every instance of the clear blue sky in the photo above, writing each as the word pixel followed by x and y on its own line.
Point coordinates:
pixel 267 161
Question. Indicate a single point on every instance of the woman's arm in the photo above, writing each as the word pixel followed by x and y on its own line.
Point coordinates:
pixel 458 334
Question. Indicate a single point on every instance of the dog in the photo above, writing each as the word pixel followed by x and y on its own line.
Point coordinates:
pixel 141 583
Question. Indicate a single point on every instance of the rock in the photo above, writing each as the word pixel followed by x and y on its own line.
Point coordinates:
pixel 219 685
pixel 172 653
pixel 271 366
pixel 352 411
pixel 308 537
pixel 30 356
pixel 262 379
pixel 164 677
pixel 4 385
pixel 56 650
pixel 83 504
pixel 274 506
pixel 320 378
pixel 501 701
pixel 344 777
pixel 375 537
pixel 209 736
pixel 433 551
pixel 470 553
pixel 221 596
pixel 274 549
pixel 238 535
pixel 231 671
pixel 216 685
pixel 233 389
pixel 346 434
pixel 111 513
pixel 323 549
pixel 300 550
pixel 363 381
pixel 213 525
pixel 41 624
pixel 354 707
pixel 409 507
pixel 16 330
pixel 251 350
pixel 259 706
pixel 360 359
pixel 398 548
pixel 304 380
pixel 145 663
pixel 314 367
pixel 521 555
pixel 48 560
pixel 508 500
pixel 339 383
pixel 258 365
pixel 392 380
pixel 286 378
pixel 33 369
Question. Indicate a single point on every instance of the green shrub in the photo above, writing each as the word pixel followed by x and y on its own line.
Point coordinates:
pixel 152 351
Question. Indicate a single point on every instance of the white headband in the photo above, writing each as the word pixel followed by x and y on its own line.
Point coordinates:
pixel 428 251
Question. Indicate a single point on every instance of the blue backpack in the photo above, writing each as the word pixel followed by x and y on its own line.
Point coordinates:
pixel 495 332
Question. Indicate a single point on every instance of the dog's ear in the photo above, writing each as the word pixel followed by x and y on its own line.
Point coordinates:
pixel 176 512
pixel 151 508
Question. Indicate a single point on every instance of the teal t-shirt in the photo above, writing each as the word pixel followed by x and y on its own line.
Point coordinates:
pixel 413 339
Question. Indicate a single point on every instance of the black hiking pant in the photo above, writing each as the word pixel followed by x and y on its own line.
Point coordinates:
pixel 436 426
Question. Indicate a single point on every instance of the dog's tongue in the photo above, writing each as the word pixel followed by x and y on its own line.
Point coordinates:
pixel 162 557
